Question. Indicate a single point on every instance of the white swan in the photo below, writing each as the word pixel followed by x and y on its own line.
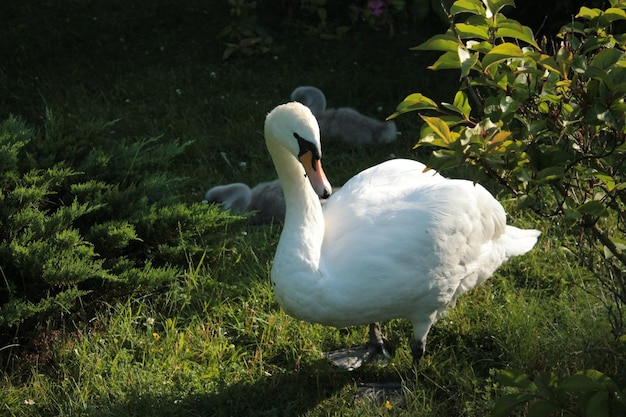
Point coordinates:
pixel 394 242
pixel 344 123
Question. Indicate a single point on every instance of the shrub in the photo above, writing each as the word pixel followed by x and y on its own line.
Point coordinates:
pixel 586 393
pixel 84 218
pixel 549 127
pixel 546 121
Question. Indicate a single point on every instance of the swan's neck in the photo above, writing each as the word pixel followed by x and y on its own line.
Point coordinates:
pixel 299 247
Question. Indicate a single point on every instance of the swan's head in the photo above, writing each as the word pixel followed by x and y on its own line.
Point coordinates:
pixel 293 127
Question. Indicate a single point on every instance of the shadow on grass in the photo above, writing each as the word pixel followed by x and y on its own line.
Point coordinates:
pixel 282 394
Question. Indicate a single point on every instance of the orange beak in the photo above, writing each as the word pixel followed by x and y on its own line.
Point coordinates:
pixel 316 175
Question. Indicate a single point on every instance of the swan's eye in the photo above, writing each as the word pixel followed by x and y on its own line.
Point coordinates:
pixel 307 146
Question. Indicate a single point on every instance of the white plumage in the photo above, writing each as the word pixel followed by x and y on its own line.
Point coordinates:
pixel 395 242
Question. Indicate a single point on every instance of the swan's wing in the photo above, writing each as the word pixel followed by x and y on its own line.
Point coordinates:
pixel 427 232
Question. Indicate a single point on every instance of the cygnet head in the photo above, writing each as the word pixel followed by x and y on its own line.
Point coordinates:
pixel 310 96
pixel 234 197
pixel 293 127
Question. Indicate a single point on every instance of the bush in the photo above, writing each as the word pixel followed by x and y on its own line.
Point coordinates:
pixel 549 127
pixel 80 222
pixel 547 121
pixel 586 393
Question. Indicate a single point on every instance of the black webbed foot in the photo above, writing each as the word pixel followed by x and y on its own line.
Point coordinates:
pixel 354 358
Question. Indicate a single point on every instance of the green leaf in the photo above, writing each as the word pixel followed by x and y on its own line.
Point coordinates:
pixel 546 384
pixel 606 179
pixel 467 61
pixel 587 13
pixel 516 379
pixel 565 58
pixel 550 64
pixel 440 128
pixel 466 31
pixel 495 6
pixel 468 6
pixel 452 108
pixel 322 14
pixel 599 378
pixel 446 43
pixel 580 382
pixel 508 105
pixel 443 159
pixel 600 75
pixel 598 405
pixel 606 58
pixel 506 404
pixel 551 173
pixel 593 208
pixel 449 60
pixel 501 52
pixel 413 102
pixel 500 137
pixel 483 46
pixel 461 101
pixel 525 201
pixel 515 30
pixel 612 14
pixel 460 105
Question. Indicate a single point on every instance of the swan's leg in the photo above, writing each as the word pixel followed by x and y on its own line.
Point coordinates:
pixel 417 350
pixel 354 358
pixel 385 391
pixel 420 331
pixel 376 344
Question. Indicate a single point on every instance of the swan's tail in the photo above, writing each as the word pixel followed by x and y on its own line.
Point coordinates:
pixel 519 241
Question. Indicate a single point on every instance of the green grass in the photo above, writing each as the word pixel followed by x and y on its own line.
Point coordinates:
pixel 214 342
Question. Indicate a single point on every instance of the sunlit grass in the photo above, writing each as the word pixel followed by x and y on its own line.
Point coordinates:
pixel 216 343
